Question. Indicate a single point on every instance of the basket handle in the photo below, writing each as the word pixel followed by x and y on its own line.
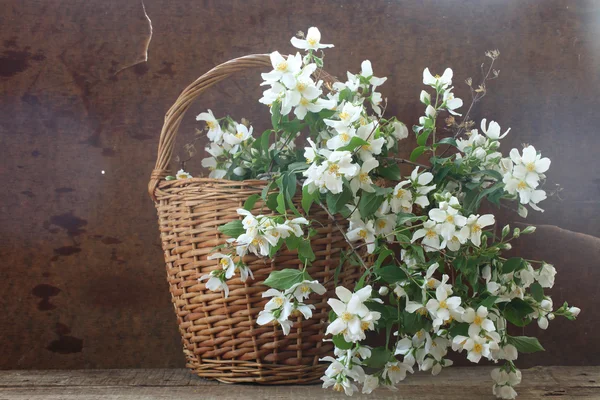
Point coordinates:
pixel 176 112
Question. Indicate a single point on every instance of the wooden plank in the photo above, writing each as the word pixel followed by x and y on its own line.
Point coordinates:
pixel 236 392
pixel 124 384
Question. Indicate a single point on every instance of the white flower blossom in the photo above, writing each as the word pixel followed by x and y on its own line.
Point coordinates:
pixel 312 41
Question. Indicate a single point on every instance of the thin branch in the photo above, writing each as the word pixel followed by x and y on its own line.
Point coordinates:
pixel 405 161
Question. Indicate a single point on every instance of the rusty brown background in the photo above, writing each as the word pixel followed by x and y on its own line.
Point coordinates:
pixel 82 283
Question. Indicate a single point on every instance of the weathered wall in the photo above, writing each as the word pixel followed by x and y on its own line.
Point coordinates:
pixel 82 282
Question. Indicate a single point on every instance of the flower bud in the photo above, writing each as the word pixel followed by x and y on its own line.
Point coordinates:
pixel 574 311
pixel 383 290
pixel 505 230
pixel 551 316
pixel 529 229
pixel 516 233
pixel 505 246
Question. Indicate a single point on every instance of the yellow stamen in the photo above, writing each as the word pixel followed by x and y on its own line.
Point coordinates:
pixel 522 185
pixel 477 348
pixel 344 115
pixel 346 316
pixel 364 326
pixel 334 169
pixel 278 301
pixel 211 125
pixel 282 66
pixel 431 234
pixel 443 304
pixel 364 177
pixel 531 167
pixel 450 219
pixel 311 42
pixel 362 233
pixel 478 320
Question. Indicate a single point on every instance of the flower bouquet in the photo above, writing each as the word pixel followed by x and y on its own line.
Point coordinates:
pixel 433 276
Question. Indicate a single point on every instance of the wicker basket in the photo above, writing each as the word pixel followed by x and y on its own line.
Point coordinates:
pixel 221 339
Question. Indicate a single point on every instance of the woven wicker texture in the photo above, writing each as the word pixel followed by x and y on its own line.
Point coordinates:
pixel 221 339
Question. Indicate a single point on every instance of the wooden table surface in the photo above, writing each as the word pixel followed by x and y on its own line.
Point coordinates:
pixel 454 383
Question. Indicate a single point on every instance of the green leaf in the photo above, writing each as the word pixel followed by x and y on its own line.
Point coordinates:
pixel 251 201
pixel 460 329
pixel 422 138
pixel 512 264
pixel 404 218
pixel 537 292
pixel 335 202
pixel 298 166
pixel 272 201
pixel 448 140
pixel 391 172
pixel 525 344
pixel 308 198
pixel 264 141
pixel 379 357
pixel 280 203
pixel 416 153
pixel 286 278
pixel 517 311
pixel 489 301
pixel 390 274
pixel 232 229
pixel 340 343
pixel 276 114
pixel 494 174
pixel 305 252
pixel 369 204
pixel 353 144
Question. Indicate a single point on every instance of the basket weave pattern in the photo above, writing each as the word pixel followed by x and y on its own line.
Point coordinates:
pixel 221 339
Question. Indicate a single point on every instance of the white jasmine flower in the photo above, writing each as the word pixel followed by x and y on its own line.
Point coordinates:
pixel 295 226
pixel 477 347
pixel 401 200
pixel 396 371
pixel 328 176
pixel 371 383
pixel 476 223
pixel 362 180
pixel 277 310
pixel 181 174
pixel 493 130
pixel 384 224
pixel 342 139
pixel 420 182
pixel 303 289
pixel 215 282
pixel 314 106
pixel 374 146
pixel 366 71
pixel 400 130
pixel 312 41
pixel 359 230
pixel 225 262
pixel 449 218
pixel 430 234
pixel 353 317
pixel 478 320
pixel 215 133
pixel 458 238
pixel 442 306
pixel 452 103
pixel 242 134
pixel 545 275
pixel 349 114
pixel 282 67
pixel 438 81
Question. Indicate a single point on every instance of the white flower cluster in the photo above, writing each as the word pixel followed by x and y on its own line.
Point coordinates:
pixel 346 369
pixel 216 279
pixel 353 316
pixel 263 232
pixel 288 303
pixel 446 227
pixel 504 383
pixel 523 176
pixel 226 142
pixel 482 150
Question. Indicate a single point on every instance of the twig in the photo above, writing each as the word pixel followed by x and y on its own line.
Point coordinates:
pixel 404 161
pixel 331 217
